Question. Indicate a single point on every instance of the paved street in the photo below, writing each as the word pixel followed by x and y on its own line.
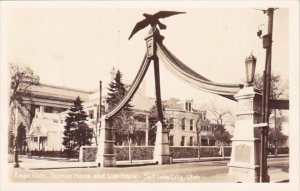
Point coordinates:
pixel 204 171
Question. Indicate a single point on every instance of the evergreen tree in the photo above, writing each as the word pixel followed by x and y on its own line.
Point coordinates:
pixel 83 135
pixel 21 137
pixel 122 121
pixel 116 92
pixel 76 133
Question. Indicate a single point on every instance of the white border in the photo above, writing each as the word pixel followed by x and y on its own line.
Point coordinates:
pixel 294 95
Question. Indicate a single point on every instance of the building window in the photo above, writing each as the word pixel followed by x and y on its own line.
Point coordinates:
pixel 91 114
pixel 48 109
pixel 140 118
pixel 191 141
pixel 183 124
pixel 182 141
pixel 171 123
pixel 203 115
pixel 171 140
pixel 188 106
pixel 191 125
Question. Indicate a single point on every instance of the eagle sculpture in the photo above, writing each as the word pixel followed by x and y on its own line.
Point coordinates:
pixel 153 20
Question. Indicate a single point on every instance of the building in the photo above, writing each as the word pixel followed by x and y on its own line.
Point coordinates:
pixel 49 105
pixel 186 124
pixel 47 124
pixel 52 99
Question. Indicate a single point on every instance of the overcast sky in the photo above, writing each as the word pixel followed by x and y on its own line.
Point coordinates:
pixel 77 47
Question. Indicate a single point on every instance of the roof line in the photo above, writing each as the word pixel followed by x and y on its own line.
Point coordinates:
pixel 66 88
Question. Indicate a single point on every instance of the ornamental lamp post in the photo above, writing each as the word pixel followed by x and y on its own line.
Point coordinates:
pixel 250 64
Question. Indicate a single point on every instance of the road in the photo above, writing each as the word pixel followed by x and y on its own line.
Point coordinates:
pixel 208 171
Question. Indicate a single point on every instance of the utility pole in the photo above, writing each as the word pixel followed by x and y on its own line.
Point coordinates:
pixel 100 105
pixel 267 44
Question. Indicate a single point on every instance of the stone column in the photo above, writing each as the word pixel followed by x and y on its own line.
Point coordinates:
pixel 81 154
pixel 106 156
pixel 38 142
pixel 161 149
pixel 244 163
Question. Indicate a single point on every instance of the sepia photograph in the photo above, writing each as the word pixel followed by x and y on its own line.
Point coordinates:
pixel 106 95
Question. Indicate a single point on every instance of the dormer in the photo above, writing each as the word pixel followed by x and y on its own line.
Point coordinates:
pixel 188 105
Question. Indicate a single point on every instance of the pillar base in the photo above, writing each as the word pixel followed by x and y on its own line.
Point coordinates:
pixel 162 148
pixel 244 172
pixel 106 161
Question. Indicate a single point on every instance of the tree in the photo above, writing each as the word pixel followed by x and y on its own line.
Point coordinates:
pixel 83 135
pixel 276 137
pixel 200 123
pixel 126 127
pixel 23 80
pixel 278 90
pixel 116 92
pixel 153 119
pixel 123 121
pixel 76 133
pixel 21 137
pixel 220 117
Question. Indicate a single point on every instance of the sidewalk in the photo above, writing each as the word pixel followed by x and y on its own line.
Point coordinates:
pixel 43 163
pixel 39 163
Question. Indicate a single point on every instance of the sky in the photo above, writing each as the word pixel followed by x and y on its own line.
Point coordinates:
pixel 78 46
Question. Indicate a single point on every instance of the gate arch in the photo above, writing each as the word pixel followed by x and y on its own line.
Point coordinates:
pixel 156 51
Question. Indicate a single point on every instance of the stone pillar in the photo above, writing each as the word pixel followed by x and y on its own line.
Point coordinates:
pixel 81 154
pixel 39 143
pixel 244 163
pixel 161 149
pixel 106 156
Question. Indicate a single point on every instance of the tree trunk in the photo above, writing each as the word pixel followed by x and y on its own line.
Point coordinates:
pixel 275 128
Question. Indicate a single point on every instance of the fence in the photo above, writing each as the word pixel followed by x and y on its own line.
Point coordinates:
pixel 88 153
pixel 54 154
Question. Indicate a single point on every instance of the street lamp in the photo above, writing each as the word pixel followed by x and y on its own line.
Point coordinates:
pixel 250 64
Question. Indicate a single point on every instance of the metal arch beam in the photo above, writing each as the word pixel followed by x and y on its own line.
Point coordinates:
pixel 193 78
pixel 136 83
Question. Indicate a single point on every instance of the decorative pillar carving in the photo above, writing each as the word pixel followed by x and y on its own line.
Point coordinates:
pixel 244 163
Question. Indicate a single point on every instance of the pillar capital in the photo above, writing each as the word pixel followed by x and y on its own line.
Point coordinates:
pixel 151 40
